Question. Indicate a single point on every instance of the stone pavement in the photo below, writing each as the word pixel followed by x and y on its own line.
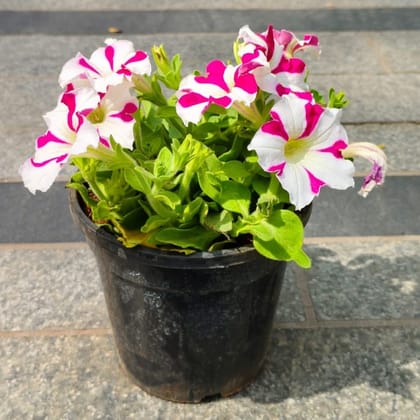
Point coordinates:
pixel 346 343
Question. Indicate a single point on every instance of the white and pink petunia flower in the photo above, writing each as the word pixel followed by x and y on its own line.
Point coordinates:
pixel 223 86
pixel 107 66
pixel 270 57
pixel 302 145
pixel 375 156
pixel 69 133
pixel 113 115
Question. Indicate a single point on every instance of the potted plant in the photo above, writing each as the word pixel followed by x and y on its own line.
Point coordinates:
pixel 193 194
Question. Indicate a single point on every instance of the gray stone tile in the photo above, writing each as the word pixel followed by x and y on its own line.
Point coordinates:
pixel 205 20
pixel 194 4
pixel 376 98
pixel 343 53
pixel 391 209
pixel 50 288
pixel 26 100
pixel 398 50
pixel 321 374
pixel 381 53
pixel 365 280
pixel 44 217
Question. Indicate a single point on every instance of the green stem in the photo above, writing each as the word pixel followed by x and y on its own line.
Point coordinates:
pixel 99 153
pixel 251 113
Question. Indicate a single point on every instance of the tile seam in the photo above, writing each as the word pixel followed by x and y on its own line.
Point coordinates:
pixel 55 333
pixel 351 323
pixel 368 238
pixel 301 280
pixel 40 246
pixel 323 324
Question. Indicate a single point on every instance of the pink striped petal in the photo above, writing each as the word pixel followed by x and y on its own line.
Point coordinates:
pixel 37 177
pixel 275 128
pixel 279 168
pixel 313 114
pixel 315 183
pixel 291 65
pixel 335 149
pixel 215 71
pixel 190 99
pixel 47 138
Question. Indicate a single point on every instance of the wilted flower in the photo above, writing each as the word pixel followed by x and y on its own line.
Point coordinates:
pixel 375 156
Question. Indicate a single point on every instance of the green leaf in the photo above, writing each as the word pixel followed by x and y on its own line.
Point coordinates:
pixel 163 163
pixel 127 204
pixel 203 130
pixel 139 179
pixel 234 197
pixel 134 219
pixel 168 198
pixel 302 259
pixel 196 237
pixel 166 112
pixel 220 222
pixel 287 238
pixel 154 222
pixel 84 193
pixel 271 249
pixel 191 210
pixel 235 170
pixel 234 151
pixel 102 213
pixel 208 184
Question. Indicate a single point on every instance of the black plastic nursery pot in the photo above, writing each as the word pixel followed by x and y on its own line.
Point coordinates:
pixel 186 328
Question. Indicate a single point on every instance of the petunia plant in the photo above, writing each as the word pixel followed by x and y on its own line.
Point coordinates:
pixel 223 158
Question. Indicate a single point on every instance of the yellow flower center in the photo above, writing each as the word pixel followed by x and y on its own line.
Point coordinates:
pixel 96 116
pixel 296 149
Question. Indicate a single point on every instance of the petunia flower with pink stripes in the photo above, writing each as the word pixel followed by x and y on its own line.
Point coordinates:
pixel 270 56
pixel 224 85
pixel 302 145
pixel 69 133
pixel 83 119
pixel 107 66
pixel 113 115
